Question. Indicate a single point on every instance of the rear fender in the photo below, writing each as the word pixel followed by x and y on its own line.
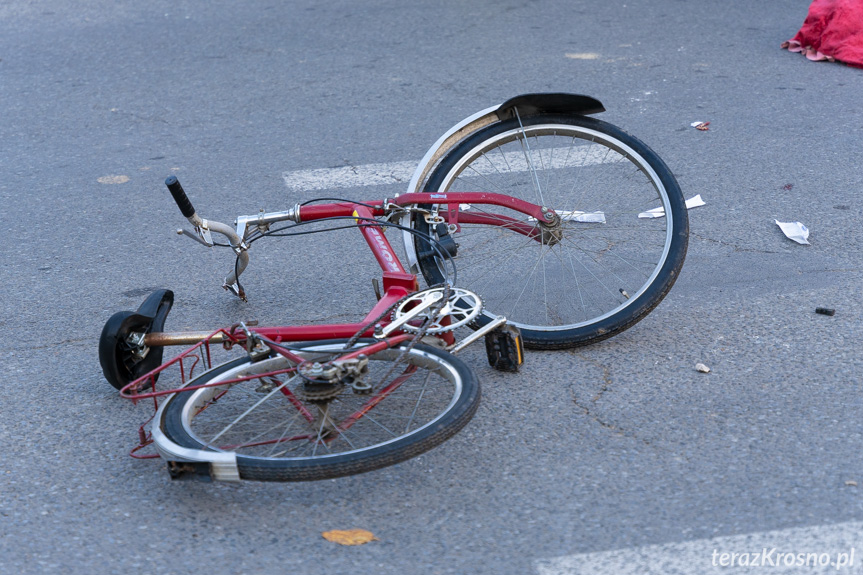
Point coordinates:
pixel 526 105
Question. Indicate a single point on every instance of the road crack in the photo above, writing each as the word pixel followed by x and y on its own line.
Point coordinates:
pixel 586 408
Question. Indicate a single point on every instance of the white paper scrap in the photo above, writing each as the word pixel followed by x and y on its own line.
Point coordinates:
pixel 585 217
pixel 694 202
pixel 794 231
pixel 659 212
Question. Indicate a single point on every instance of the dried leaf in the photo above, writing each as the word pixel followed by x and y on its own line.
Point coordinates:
pixel 349 536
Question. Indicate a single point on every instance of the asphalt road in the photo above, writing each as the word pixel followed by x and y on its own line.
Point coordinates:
pixel 618 446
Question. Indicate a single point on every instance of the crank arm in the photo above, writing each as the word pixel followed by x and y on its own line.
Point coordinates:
pixel 426 303
pixel 489 327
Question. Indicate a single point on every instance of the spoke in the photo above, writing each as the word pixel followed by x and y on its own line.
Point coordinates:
pixel 494 167
pixel 248 411
pixel 380 425
pixel 505 161
pixel 531 274
pixel 548 170
pixel 545 287
pixel 577 285
pixel 492 186
pixel 323 411
pixel 595 267
pixel 527 156
pixel 255 440
pixel 609 290
pixel 419 399
pixel 281 439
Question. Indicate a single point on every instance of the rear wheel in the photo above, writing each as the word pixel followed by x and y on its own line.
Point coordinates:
pixel 603 268
pixel 283 426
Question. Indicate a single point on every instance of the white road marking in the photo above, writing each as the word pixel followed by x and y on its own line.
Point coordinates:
pixel 401 172
pixel 805 550
pixel 349 176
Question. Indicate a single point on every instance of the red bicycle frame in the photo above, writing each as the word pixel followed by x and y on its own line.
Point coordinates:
pixel 397 284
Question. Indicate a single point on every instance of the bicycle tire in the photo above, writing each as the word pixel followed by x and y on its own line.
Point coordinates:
pixel 597 279
pixel 446 400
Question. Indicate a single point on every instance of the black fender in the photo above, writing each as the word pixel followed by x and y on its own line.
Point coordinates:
pixel 549 103
pixel 526 105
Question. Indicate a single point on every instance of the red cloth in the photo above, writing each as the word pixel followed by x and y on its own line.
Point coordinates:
pixel 833 30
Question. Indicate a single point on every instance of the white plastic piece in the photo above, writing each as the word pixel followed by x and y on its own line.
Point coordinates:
pixel 223 464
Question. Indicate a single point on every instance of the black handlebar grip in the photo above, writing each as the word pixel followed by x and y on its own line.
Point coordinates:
pixel 180 196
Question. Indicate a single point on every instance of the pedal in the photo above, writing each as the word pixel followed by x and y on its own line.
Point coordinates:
pixel 504 348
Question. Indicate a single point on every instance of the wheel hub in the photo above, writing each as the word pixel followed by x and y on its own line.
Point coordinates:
pixel 551 229
pixel 320 381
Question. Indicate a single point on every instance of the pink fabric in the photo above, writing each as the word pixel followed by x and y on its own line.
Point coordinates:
pixel 833 30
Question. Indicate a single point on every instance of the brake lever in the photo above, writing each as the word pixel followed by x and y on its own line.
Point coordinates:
pixel 202 237
pixel 203 229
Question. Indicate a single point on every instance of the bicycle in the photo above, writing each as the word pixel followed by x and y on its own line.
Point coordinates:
pixel 532 203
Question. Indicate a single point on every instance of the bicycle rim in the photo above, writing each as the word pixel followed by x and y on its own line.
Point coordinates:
pixel 281 431
pixel 611 263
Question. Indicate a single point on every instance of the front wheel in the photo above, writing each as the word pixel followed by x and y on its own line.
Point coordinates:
pixel 285 427
pixel 602 267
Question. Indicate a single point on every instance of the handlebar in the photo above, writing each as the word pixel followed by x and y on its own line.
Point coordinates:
pixel 204 227
pixel 180 196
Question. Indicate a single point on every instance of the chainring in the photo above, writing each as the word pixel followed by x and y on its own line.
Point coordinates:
pixel 461 308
